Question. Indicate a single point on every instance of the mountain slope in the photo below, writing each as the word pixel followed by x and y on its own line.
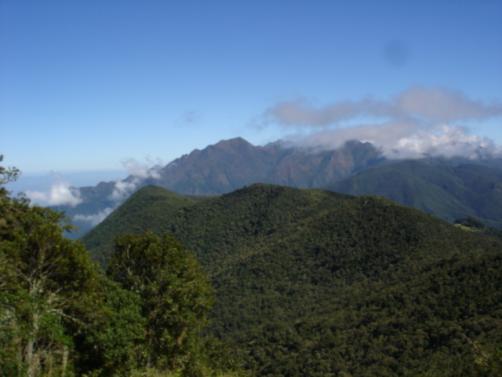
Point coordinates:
pixel 149 208
pixel 224 167
pixel 440 187
pixel 449 188
pixel 311 282
pixel 232 164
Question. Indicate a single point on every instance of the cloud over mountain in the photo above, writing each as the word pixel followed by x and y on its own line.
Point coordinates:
pixel 60 193
pixel 418 121
pixel 96 218
pixel 137 172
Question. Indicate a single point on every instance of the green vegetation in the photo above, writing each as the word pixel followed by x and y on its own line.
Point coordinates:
pixel 61 315
pixel 304 283
pixel 175 296
pixel 152 209
pixel 444 188
pixel 309 282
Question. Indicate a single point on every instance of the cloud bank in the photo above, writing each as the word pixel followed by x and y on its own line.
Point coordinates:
pixel 96 218
pixel 418 104
pixel 138 172
pixel 123 188
pixel 418 121
pixel 60 193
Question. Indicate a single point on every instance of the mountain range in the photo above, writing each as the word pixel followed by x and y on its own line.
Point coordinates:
pixel 449 188
pixel 316 283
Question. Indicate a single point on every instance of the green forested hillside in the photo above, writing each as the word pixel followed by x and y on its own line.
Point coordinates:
pixel 447 189
pixel 149 209
pixel 310 282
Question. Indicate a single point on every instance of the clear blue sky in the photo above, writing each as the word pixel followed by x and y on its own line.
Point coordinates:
pixel 86 84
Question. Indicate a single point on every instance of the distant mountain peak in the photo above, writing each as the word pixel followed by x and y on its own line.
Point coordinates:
pixel 236 163
pixel 236 142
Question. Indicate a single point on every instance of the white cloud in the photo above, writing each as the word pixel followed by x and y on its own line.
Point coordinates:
pixel 419 121
pixel 60 193
pixel 124 188
pixel 301 113
pixel 406 140
pixel 447 141
pixel 420 104
pixel 142 170
pixel 95 218
pixel 138 172
pixel 442 105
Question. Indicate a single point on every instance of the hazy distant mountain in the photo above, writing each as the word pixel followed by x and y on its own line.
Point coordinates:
pixel 315 283
pixel 226 166
pixel 448 188
pixel 234 163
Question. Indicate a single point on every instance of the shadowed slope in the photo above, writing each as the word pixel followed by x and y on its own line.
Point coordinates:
pixel 447 190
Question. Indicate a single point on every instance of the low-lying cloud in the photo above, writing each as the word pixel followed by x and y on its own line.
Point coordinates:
pixel 403 140
pixel 60 193
pixel 416 122
pixel 138 172
pixel 124 188
pixel 96 218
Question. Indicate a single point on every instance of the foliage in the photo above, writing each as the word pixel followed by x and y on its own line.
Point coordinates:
pixel 175 296
pixel 60 315
pixel 153 208
pixel 310 282
pixel 47 287
pixel 447 188
pixel 113 342
pixel 7 174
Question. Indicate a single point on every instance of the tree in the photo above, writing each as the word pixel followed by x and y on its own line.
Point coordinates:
pixel 113 342
pixel 47 287
pixel 176 295
pixel 59 313
pixel 7 174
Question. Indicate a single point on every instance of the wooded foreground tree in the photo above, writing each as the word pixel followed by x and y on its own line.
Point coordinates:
pixel 175 294
pixel 46 287
pixel 59 314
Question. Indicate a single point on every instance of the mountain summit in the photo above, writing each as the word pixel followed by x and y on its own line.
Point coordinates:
pixel 226 166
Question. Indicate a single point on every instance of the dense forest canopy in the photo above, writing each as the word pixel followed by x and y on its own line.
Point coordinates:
pixel 310 282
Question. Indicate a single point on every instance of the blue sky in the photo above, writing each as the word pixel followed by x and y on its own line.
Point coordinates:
pixel 87 84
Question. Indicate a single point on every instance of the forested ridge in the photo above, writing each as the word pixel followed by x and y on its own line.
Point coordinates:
pixel 448 189
pixel 310 282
